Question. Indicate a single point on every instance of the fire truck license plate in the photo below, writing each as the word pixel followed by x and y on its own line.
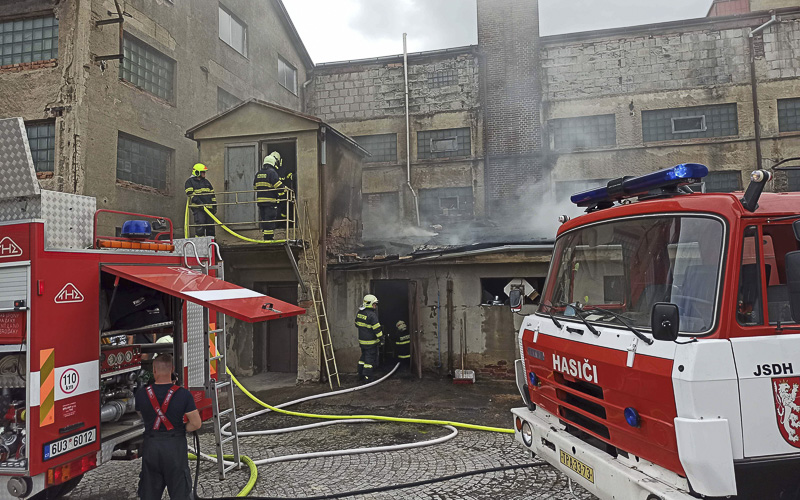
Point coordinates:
pixel 581 468
pixel 67 444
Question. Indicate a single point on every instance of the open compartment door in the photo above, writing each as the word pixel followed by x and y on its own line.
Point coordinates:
pixel 215 294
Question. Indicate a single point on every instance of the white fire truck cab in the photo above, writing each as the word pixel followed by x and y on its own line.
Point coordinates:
pixel 663 361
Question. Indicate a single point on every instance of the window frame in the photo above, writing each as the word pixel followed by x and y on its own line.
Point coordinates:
pixel 168 167
pixel 232 18
pixel 133 40
pixel 288 66
pixel 783 120
pixel 561 140
pixel 427 138
pixel 360 139
pixel 703 126
pixel 53 38
pixel 40 123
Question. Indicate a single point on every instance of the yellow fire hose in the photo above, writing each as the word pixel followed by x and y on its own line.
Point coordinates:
pixel 250 465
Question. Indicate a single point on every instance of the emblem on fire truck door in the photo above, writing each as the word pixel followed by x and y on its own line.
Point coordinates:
pixel 69 294
pixel 9 248
pixel 787 408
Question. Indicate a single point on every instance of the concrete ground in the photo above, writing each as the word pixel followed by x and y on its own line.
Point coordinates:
pixel 486 403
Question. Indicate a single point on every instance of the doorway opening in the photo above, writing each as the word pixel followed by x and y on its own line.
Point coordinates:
pixel 288 169
pixel 275 342
pixel 393 306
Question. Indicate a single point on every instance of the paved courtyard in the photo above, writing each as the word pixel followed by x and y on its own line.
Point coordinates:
pixel 485 403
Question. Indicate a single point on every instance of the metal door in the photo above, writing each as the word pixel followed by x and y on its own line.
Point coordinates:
pixel 241 165
pixel 414 327
pixel 279 346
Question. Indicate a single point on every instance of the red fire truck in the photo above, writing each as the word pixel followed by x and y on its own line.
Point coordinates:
pixel 81 317
pixel 663 361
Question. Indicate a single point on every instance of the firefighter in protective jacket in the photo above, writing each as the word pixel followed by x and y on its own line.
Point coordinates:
pixel 403 345
pixel 370 336
pixel 201 193
pixel 287 178
pixel 267 184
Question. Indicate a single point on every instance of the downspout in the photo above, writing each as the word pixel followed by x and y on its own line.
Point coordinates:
pixel 408 132
pixel 754 87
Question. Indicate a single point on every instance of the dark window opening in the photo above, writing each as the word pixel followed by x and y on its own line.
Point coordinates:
pixel 689 124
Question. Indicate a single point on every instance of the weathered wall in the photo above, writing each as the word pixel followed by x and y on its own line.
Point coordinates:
pixel 508 37
pixel 490 331
pixel 675 65
pixel 342 192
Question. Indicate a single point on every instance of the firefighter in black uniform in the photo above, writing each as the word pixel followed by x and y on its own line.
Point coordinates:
pixel 201 192
pixel 369 336
pixel 165 461
pixel 287 178
pixel 402 345
pixel 267 184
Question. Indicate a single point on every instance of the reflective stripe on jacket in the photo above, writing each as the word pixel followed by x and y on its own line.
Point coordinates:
pixel 265 184
pixel 369 328
pixel 200 191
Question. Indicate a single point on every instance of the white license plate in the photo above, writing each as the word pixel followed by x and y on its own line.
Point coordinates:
pixel 67 444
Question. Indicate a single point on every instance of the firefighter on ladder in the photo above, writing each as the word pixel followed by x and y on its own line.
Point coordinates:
pixel 165 461
pixel 402 345
pixel 369 336
pixel 201 193
pixel 266 184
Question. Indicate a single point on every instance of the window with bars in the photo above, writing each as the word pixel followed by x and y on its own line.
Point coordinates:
pixel 789 115
pixel 287 75
pixel 28 40
pixel 446 204
pixel 42 141
pixel 142 162
pixel 568 134
pixel 232 31
pixel 443 78
pixel 147 68
pixel 382 147
pixel 226 100
pixel 448 143
pixel 690 123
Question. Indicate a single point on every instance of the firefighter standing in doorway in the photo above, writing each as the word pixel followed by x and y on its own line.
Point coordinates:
pixel 403 345
pixel 287 178
pixel 165 462
pixel 370 336
pixel 266 184
pixel 201 192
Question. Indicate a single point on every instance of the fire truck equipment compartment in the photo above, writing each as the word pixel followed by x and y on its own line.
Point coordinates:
pixel 207 291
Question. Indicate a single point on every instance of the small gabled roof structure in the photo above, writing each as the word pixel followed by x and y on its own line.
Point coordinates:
pixel 294 121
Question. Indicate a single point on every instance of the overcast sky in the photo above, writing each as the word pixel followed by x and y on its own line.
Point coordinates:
pixel 337 30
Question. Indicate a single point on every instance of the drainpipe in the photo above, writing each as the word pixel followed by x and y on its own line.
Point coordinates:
pixel 754 86
pixel 408 132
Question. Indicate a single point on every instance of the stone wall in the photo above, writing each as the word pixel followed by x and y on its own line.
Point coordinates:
pixel 375 89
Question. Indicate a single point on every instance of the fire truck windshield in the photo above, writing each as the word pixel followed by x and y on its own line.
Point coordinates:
pixel 626 265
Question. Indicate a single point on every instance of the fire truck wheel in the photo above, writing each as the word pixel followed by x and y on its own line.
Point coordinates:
pixel 58 491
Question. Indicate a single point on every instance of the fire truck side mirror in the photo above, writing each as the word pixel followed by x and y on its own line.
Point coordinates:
pixel 665 321
pixel 515 299
pixel 793 282
pixel 796 228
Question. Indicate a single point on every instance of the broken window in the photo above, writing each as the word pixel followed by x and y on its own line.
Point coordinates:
pixel 443 78
pixel 445 204
pixel 42 141
pixel 226 100
pixel 690 123
pixel 287 75
pixel 382 147
pixel 28 40
pixel 232 31
pixel 147 68
pixel 449 143
pixel 568 134
pixel 493 290
pixel 142 162
pixel 789 115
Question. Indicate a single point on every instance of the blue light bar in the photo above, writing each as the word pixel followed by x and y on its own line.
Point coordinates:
pixel 629 187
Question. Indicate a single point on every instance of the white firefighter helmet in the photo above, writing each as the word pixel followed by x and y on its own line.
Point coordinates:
pixel 370 301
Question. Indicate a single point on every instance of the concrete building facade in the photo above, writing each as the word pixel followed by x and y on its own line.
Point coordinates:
pixel 113 127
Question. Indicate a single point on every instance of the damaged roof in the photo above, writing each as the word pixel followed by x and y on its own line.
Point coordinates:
pixel 271 105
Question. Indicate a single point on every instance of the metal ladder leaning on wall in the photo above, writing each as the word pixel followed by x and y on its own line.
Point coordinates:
pixel 222 383
pixel 311 262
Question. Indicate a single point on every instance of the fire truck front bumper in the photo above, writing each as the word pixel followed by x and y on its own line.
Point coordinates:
pixel 599 473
